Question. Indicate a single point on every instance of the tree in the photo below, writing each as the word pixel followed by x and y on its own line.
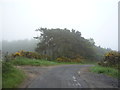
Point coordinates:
pixel 91 40
pixel 63 42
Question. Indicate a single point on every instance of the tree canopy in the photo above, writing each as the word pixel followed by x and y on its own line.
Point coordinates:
pixel 63 42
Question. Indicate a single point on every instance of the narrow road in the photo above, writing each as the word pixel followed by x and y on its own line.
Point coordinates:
pixel 67 76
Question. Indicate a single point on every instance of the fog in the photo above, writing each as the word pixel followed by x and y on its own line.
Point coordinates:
pixel 97 19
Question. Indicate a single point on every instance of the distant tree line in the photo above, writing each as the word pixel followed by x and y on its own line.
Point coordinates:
pixel 68 43
pixel 16 45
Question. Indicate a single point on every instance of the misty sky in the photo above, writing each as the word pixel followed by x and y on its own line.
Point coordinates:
pixel 97 19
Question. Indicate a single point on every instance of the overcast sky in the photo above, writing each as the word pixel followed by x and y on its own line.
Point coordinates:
pixel 97 19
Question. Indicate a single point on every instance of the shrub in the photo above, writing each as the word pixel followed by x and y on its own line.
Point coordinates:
pixel 31 55
pixel 111 59
pixel 63 59
pixel 66 59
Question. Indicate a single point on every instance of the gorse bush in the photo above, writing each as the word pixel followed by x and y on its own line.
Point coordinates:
pixel 63 59
pixel 111 59
pixel 32 55
pixel 66 59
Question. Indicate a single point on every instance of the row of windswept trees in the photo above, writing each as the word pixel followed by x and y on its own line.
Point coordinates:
pixel 67 43
pixel 58 43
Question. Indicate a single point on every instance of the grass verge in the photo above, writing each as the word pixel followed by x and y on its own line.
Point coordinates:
pixel 11 77
pixel 106 70
pixel 38 62
pixel 33 62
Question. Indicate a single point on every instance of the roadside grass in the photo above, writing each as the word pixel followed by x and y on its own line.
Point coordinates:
pixel 11 76
pixel 106 70
pixel 33 62
pixel 38 62
pixel 93 62
pixel 42 62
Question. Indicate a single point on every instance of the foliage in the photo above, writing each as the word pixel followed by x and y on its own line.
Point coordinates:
pixel 6 67
pixel 100 52
pixel 32 55
pixel 63 59
pixel 111 59
pixel 78 59
pixel 106 70
pixel 63 42
pixel 11 77
pixel 7 57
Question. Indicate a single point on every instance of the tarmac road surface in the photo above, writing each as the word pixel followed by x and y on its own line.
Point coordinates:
pixel 67 76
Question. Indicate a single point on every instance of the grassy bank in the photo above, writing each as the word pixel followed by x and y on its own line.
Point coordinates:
pixel 37 62
pixel 34 62
pixel 11 77
pixel 106 70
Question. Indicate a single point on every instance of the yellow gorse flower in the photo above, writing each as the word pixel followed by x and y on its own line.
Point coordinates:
pixel 17 54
